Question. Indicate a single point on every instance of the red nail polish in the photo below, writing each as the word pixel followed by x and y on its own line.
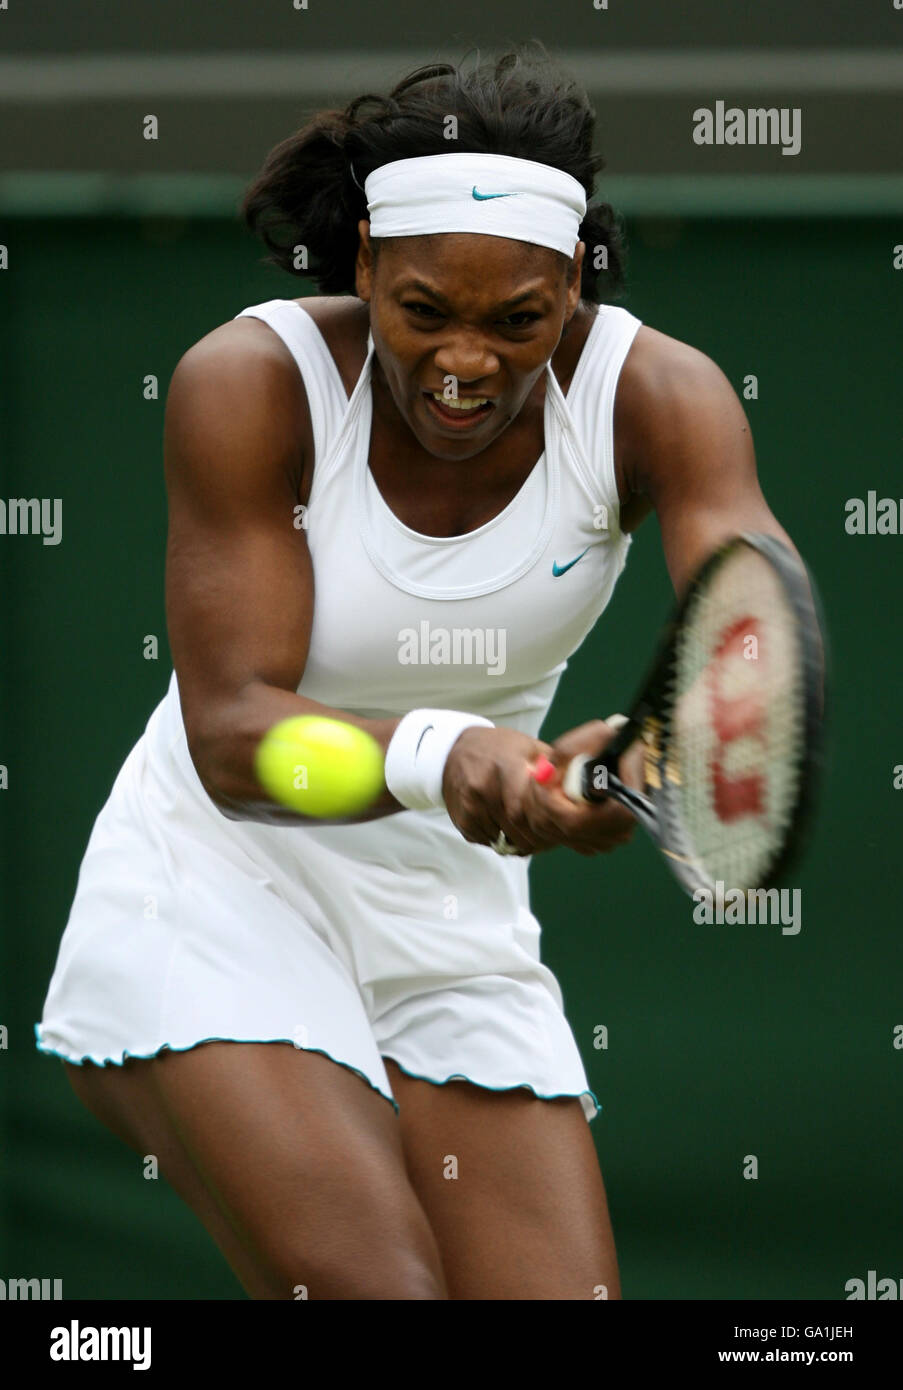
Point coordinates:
pixel 544 771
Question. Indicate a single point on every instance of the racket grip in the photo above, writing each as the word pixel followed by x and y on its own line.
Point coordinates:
pixel 545 772
pixel 581 772
pixel 574 780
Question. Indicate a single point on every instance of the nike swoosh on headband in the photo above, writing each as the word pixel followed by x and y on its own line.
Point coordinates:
pixel 482 197
pixel 563 569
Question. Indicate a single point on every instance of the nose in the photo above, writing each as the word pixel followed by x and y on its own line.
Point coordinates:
pixel 467 357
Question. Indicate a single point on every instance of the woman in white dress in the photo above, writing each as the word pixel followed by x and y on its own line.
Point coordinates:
pixel 403 503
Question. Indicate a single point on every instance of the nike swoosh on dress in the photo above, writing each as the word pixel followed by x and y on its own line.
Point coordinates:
pixel 563 569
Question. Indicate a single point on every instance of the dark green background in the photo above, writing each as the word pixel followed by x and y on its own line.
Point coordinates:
pixel 723 1041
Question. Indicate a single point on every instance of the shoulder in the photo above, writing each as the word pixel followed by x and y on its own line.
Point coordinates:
pixel 244 356
pixel 344 322
pixel 660 370
pixel 670 397
pixel 237 393
pixel 245 353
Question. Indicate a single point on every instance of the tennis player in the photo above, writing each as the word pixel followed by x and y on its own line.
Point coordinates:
pixel 404 504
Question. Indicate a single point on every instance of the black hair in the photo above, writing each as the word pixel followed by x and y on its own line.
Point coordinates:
pixel 310 190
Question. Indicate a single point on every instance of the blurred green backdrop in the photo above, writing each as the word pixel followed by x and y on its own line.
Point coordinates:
pixel 723 1041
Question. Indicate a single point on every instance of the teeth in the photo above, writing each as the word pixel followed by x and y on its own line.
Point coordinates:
pixel 462 403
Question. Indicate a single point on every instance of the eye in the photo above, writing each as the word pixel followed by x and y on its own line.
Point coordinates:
pixel 429 311
pixel 418 307
pixel 525 315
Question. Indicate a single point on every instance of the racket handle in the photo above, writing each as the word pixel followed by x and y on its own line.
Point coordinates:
pixel 577 773
pixel 580 771
pixel 578 777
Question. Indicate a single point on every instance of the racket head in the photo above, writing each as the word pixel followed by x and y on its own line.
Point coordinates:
pixel 738 752
pixel 732 715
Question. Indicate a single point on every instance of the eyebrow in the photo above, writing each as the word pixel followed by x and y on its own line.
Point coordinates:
pixel 424 288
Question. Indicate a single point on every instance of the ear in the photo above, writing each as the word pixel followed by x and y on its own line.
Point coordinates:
pixel 574 274
pixel 363 266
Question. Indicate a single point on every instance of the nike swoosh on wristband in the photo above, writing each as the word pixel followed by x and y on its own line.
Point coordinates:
pixel 482 197
pixel 563 569
pixel 422 737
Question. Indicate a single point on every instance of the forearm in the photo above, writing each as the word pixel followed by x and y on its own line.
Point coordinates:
pixel 224 744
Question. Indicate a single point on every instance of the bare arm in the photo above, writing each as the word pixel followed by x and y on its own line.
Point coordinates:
pixel 239 578
pixel 686 450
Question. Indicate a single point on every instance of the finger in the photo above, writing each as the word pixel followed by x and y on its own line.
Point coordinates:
pixel 530 831
pixel 504 804
pixel 542 822
pixel 632 766
pixel 524 845
pixel 476 820
pixel 588 829
pixel 536 819
pixel 578 816
pixel 495 810
pixel 587 739
pixel 605 846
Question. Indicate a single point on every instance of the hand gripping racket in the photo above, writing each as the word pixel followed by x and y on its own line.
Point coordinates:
pixel 731 717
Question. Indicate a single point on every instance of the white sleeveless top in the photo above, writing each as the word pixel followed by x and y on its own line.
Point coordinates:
pixel 482 622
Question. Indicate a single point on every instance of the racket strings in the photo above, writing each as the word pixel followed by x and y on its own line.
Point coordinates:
pixel 736 722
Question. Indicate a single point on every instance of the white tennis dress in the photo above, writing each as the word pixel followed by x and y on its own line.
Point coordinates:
pixel 395 938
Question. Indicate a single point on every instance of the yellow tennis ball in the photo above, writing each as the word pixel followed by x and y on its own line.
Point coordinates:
pixel 320 767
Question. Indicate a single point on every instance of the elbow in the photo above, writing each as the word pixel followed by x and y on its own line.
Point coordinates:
pixel 213 761
pixel 228 809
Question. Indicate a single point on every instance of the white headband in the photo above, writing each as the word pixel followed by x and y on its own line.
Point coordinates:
pixel 493 194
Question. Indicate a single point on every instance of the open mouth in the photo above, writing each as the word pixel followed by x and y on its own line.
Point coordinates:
pixel 464 413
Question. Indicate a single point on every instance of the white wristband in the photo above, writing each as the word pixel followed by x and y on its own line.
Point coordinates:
pixel 415 758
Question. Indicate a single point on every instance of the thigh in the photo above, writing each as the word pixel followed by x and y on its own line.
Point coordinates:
pixel 292 1162
pixel 512 1188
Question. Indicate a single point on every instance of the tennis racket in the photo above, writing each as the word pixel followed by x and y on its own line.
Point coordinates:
pixel 731 717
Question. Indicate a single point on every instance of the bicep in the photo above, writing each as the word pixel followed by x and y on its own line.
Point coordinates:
pixel 239 582
pixel 693 457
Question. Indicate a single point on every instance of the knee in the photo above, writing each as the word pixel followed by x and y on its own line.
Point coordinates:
pixel 367 1275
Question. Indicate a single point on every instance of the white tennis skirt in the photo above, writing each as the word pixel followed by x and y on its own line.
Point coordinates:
pixel 395 938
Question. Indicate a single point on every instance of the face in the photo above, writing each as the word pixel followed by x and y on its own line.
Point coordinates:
pixel 475 317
